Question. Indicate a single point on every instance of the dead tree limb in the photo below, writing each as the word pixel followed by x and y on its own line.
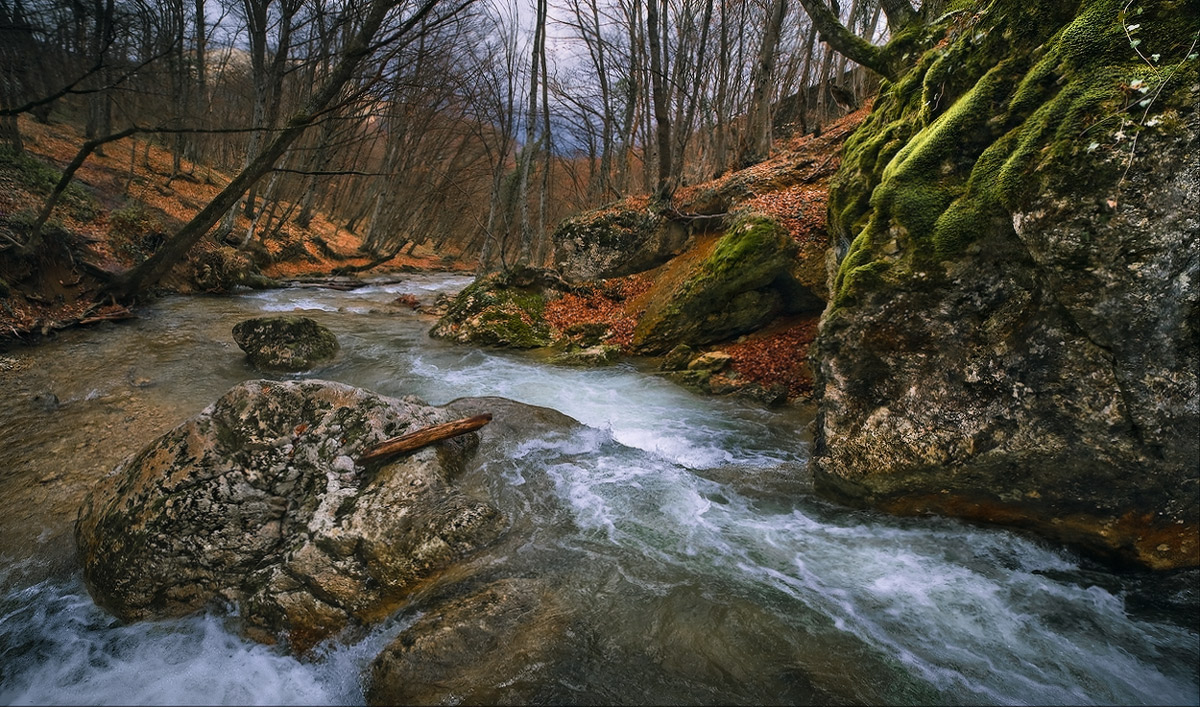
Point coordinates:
pixel 422 438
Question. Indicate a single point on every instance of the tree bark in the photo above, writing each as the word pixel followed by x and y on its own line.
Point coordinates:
pixel 756 140
pixel 898 13
pixel 658 90
pixel 841 39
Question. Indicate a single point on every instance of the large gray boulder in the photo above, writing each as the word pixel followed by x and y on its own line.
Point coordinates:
pixel 286 343
pixel 615 241
pixel 1014 335
pixel 258 503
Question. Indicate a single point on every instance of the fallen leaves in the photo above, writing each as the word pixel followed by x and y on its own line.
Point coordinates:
pixel 778 355
pixel 610 303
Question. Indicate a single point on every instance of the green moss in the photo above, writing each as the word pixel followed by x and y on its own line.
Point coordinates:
pixel 749 257
pixel 1019 97
pixel 493 312
pixel 859 278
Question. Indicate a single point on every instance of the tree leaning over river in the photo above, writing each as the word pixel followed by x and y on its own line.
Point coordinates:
pixel 364 44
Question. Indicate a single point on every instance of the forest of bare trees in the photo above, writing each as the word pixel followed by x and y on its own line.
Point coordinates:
pixel 470 125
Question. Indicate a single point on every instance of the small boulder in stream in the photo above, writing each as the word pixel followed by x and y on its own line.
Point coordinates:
pixel 286 343
pixel 258 503
pixel 504 309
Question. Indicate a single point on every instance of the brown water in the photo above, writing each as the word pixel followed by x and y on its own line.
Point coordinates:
pixel 678 530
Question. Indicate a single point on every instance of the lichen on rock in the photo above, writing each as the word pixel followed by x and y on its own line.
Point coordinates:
pixel 258 503
pixel 285 343
pixel 615 241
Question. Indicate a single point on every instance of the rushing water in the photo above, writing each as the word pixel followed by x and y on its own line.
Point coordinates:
pixel 680 531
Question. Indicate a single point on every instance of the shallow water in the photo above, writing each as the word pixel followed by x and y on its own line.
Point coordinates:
pixel 679 531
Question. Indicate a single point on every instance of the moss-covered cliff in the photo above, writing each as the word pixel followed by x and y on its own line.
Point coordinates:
pixel 1014 97
pixel 1013 329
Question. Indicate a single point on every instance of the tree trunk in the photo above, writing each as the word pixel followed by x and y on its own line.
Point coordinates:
pixel 662 117
pixel 756 140
pixel 156 266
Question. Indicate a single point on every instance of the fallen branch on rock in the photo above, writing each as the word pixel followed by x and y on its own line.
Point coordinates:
pixel 422 438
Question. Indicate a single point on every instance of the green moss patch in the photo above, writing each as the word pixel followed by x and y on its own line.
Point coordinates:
pixel 495 311
pixel 1017 97
pixel 728 293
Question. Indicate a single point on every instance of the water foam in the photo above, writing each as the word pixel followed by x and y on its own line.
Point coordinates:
pixel 59 648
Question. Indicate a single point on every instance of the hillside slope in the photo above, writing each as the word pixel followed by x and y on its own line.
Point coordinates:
pixel 121 205
pixel 735 267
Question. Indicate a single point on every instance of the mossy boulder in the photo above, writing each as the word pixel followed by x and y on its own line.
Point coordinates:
pixel 735 290
pixel 588 356
pixel 505 309
pixel 617 240
pixel 287 343
pixel 1013 332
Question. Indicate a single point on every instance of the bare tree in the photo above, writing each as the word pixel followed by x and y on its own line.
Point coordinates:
pixel 358 49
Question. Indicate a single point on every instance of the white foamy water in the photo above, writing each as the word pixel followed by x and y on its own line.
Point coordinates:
pixel 680 529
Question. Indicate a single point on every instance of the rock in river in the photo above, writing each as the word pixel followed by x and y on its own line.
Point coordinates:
pixel 486 647
pixel 257 502
pixel 285 343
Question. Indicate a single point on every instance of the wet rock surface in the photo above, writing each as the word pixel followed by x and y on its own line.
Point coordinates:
pixel 1023 349
pixel 493 645
pixel 257 503
pixel 285 343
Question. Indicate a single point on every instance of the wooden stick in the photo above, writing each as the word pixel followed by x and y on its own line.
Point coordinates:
pixel 423 438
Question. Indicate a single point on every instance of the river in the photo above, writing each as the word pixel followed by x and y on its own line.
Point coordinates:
pixel 702 569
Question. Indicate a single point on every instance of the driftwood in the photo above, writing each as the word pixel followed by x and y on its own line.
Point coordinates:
pixel 423 438
pixel 114 315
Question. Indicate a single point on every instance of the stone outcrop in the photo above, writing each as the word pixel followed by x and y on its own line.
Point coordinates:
pixel 258 503
pixel 710 373
pixel 505 309
pixel 737 288
pixel 287 343
pixel 1013 336
pixel 615 241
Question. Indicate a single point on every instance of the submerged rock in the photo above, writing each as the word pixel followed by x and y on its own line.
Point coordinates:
pixel 487 647
pixel 598 355
pixel 285 343
pixel 1014 333
pixel 257 502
